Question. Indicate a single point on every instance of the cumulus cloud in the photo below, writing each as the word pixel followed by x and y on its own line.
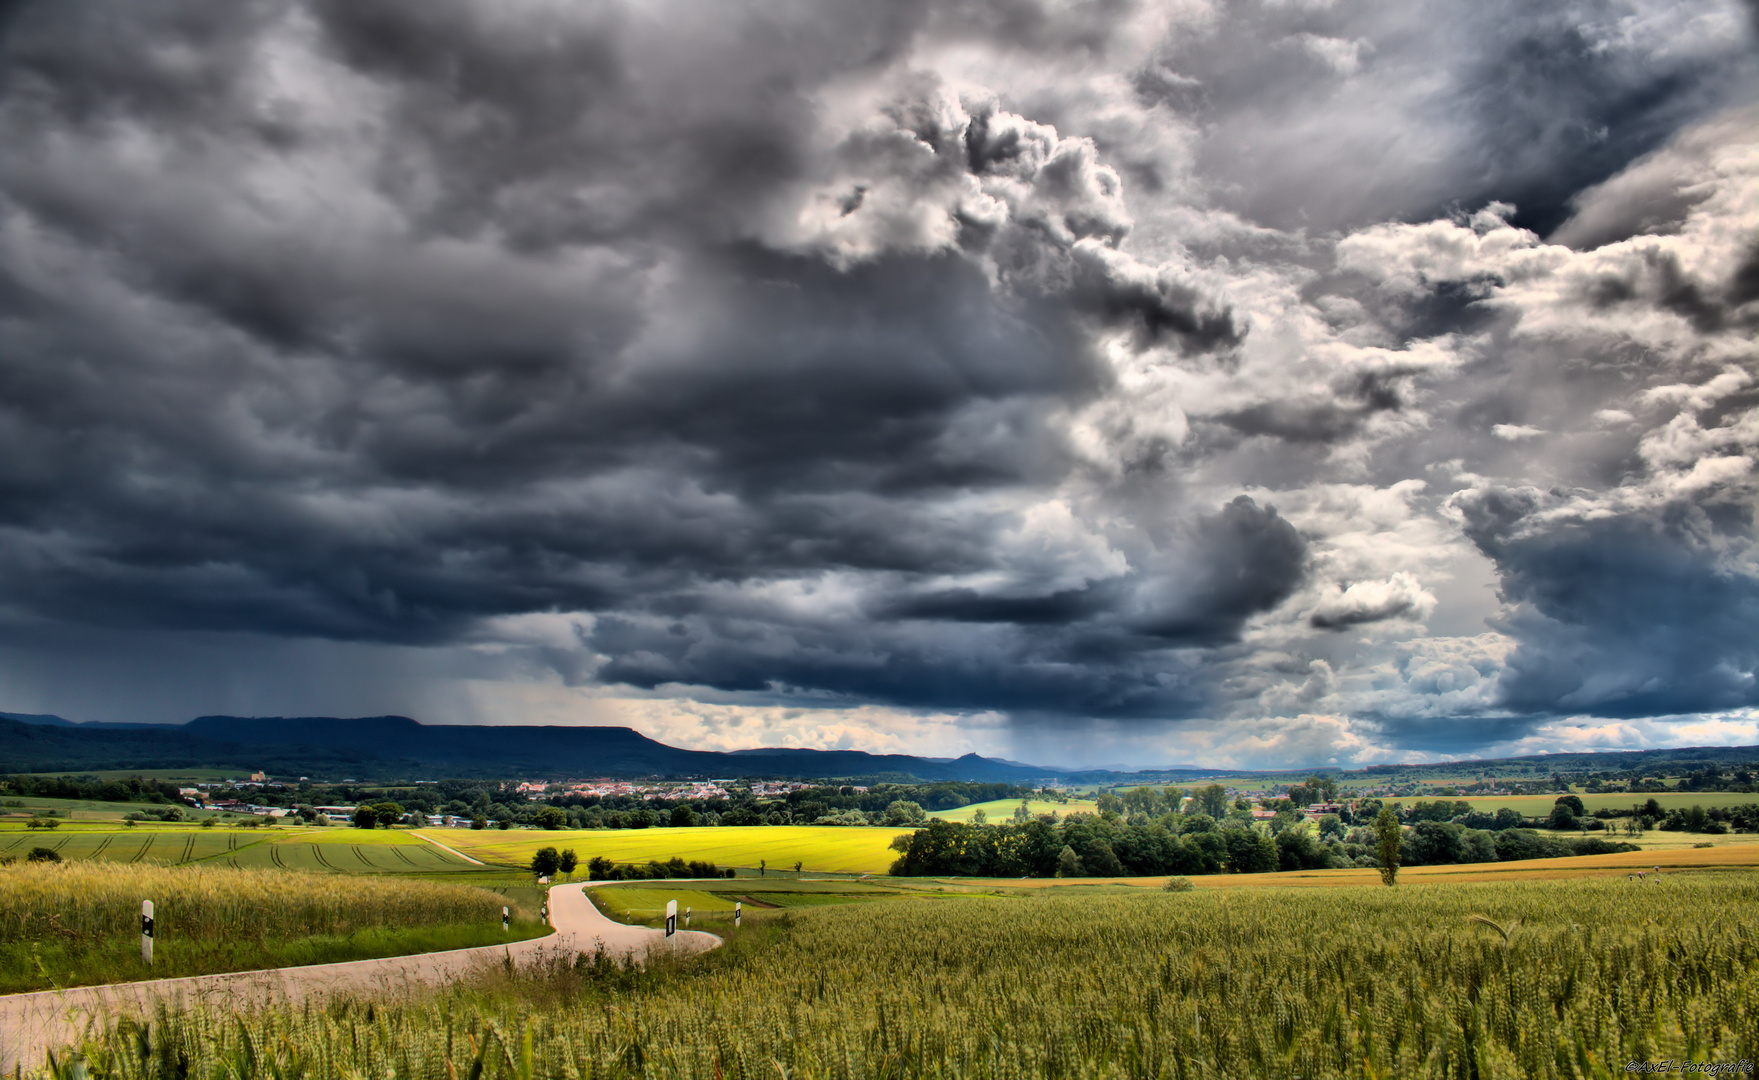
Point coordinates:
pixel 1365 376
pixel 1398 597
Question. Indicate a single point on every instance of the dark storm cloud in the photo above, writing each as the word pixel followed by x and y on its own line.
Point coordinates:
pixel 544 360
pixel 1627 616
pixel 866 352
pixel 1098 651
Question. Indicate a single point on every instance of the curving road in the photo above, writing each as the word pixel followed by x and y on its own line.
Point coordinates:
pixel 31 1024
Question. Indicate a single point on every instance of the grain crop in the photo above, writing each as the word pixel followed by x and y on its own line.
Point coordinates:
pixel 92 901
pixel 1515 979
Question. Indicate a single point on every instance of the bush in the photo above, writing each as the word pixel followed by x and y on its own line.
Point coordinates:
pixel 1178 884
pixel 43 854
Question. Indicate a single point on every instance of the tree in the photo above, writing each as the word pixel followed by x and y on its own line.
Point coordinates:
pixel 903 812
pixel 1249 851
pixel 1069 863
pixel 553 817
pixel 504 823
pixel 1197 823
pixel 479 822
pixel 683 817
pixel 546 861
pixel 388 813
pixel 43 854
pixel 1101 861
pixel 365 817
pixel 1561 817
pixel 797 866
pixel 568 861
pixel 978 817
pixel 598 868
pixel 1211 800
pixel 1297 851
pixel 1387 835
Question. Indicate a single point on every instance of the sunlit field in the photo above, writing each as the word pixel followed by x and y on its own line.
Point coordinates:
pixel 1540 805
pixel 1522 979
pixel 712 902
pixel 1000 810
pixel 823 848
pixel 372 851
pixel 77 923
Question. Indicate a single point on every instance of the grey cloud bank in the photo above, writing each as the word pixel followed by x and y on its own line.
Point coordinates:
pixel 1260 383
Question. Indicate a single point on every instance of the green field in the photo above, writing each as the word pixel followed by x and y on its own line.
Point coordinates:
pixel 821 848
pixel 374 851
pixel 77 923
pixel 92 809
pixel 1529 979
pixel 1001 810
pixel 644 902
pixel 1540 805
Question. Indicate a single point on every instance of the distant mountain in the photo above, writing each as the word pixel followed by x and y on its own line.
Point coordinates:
pixel 399 748
pixel 48 720
pixel 378 747
pixel 43 719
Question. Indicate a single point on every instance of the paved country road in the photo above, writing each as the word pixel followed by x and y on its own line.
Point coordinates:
pixel 31 1024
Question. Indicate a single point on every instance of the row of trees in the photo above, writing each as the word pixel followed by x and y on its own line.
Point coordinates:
pixel 133 789
pixel 1088 846
pixel 603 869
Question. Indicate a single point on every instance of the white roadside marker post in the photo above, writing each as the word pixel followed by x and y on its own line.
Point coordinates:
pixel 738 912
pixel 503 917
pixel 686 918
pixel 672 922
pixel 146 932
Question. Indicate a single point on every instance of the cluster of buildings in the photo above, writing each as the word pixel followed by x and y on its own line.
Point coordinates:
pixel 682 789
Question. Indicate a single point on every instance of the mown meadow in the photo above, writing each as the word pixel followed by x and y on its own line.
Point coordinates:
pixel 344 850
pixel 72 924
pixel 1527 979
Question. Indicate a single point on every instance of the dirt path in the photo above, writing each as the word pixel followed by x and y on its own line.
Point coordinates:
pixel 31 1024
pixel 453 850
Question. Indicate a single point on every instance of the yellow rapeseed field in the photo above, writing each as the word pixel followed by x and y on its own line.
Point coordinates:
pixel 823 848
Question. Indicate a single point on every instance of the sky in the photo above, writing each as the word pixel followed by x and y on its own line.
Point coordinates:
pixel 1267 383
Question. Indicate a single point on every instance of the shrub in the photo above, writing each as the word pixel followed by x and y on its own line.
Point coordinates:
pixel 43 854
pixel 1178 884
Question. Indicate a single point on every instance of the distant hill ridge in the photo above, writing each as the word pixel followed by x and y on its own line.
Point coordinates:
pixel 398 747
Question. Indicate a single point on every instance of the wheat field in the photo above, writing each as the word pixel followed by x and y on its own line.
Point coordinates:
pixel 1521 979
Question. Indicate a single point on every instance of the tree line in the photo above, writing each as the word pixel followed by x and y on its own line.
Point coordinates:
pixel 1192 844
